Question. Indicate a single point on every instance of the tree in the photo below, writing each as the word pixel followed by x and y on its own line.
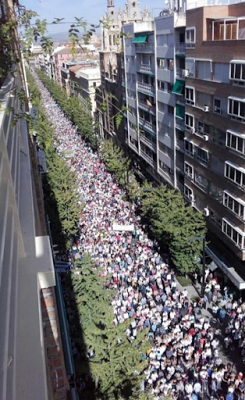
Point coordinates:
pixel 116 365
pixel 173 223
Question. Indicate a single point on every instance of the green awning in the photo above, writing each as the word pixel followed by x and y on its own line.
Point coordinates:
pixel 180 111
pixel 178 87
pixel 179 55
pixel 141 39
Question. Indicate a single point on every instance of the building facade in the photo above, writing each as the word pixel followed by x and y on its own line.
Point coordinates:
pixel 184 91
pixel 110 93
pixel 214 125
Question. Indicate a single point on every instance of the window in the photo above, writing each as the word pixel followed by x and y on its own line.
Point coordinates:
pixel 170 63
pixel 203 128
pixel 189 121
pixel 160 85
pixel 188 192
pixel 201 181
pixel 190 37
pixel 189 148
pixel 189 170
pixel 235 141
pixel 190 67
pixel 204 70
pixel 216 192
pixel 235 173
pixel 203 99
pixel 221 73
pixel 236 108
pixel 161 107
pixel 237 72
pixel 94 84
pixel 234 233
pixel 218 136
pixel 201 155
pixel 224 29
pixel 190 95
pixel 215 218
pixel 171 110
pixel 234 204
pixel 160 62
pixel 220 106
pixel 163 148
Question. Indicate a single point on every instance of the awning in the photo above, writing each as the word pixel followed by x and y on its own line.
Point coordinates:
pixel 180 111
pixel 230 272
pixel 178 87
pixel 141 39
pixel 179 55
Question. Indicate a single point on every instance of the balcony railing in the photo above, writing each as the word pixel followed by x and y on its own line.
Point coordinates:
pixel 148 158
pixel 148 142
pixel 147 125
pixel 144 48
pixel 146 68
pixel 180 99
pixel 180 48
pixel 180 145
pixel 144 106
pixel 181 73
pixel 146 88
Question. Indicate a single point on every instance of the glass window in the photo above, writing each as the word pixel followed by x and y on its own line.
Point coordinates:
pixel 221 72
pixel 216 192
pixel 189 121
pixel 202 155
pixel 204 70
pixel 189 170
pixel 189 95
pixel 235 142
pixel 189 148
pixel 237 108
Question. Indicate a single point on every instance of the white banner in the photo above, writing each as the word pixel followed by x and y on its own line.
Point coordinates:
pixel 124 228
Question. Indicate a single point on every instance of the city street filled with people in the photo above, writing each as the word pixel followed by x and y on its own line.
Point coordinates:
pixel 184 357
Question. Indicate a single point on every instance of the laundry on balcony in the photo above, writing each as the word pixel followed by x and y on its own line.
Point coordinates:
pixel 178 87
pixel 141 39
pixel 148 103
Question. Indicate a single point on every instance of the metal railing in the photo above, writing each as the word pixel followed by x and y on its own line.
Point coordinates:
pixel 147 125
pixel 144 48
pixel 181 73
pixel 148 142
pixel 180 48
pixel 146 68
pixel 144 106
pixel 146 88
pixel 147 158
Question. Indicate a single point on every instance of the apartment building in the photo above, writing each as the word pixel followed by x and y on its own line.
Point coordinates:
pixel 154 56
pixel 184 92
pixel 214 158
pixel 112 66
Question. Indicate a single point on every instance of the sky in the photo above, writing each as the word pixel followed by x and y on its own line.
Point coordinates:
pixel 90 10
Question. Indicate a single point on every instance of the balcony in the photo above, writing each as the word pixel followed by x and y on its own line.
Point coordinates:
pixel 180 145
pixel 148 126
pixel 180 48
pixel 148 158
pixel 146 48
pixel 146 88
pixel 179 123
pixel 148 142
pixel 145 107
pixel 181 73
pixel 180 100
pixel 146 69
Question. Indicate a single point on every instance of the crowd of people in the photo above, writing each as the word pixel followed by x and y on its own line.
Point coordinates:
pixel 184 360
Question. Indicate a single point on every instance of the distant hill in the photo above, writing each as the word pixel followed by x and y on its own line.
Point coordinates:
pixel 60 36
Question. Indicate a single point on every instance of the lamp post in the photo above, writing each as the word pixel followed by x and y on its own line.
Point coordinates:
pixel 203 238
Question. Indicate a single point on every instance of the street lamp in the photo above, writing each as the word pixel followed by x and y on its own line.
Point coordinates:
pixel 195 239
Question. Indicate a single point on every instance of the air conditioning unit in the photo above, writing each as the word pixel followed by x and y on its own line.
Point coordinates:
pixel 205 137
pixel 201 129
pixel 206 108
pixel 192 129
pixel 206 212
